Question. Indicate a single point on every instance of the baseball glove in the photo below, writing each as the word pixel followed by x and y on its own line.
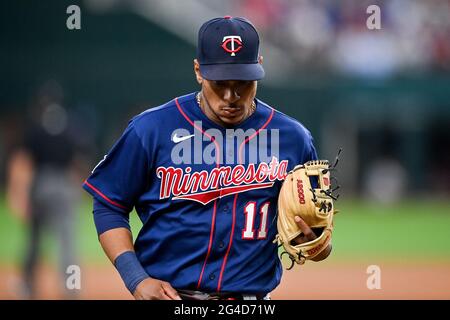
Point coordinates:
pixel 306 192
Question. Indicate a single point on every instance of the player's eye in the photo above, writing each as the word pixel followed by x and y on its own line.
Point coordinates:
pixel 236 85
pixel 219 83
pixel 243 84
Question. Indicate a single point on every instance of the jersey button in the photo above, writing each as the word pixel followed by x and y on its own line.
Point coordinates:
pixel 212 276
pixel 221 244
pixel 226 208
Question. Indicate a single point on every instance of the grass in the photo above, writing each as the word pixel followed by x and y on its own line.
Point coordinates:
pixel 13 236
pixel 412 230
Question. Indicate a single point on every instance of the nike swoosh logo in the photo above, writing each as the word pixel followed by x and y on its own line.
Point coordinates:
pixel 177 139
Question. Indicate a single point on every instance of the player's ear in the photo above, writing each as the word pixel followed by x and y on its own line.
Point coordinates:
pixel 260 59
pixel 197 72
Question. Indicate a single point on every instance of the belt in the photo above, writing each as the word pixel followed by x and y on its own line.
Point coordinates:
pixel 199 295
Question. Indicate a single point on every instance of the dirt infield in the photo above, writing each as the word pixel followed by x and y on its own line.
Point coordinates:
pixel 312 281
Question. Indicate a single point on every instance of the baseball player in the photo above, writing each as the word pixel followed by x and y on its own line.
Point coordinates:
pixel 203 172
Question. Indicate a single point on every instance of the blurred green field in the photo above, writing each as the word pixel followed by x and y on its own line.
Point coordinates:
pixel 412 231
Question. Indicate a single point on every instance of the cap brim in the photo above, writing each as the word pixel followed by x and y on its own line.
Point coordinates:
pixel 244 71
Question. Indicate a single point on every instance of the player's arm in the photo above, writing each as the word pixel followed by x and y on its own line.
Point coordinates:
pixel 117 242
pixel 114 198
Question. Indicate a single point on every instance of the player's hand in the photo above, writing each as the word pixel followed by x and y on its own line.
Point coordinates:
pixel 153 289
pixel 309 235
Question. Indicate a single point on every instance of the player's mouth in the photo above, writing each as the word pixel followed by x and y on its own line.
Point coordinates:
pixel 231 111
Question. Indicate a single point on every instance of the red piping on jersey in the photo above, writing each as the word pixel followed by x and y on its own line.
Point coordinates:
pixel 213 221
pixel 201 130
pixel 103 196
pixel 235 200
pixel 229 245
pixel 209 245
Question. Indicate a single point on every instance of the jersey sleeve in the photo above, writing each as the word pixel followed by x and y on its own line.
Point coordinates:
pixel 107 218
pixel 310 152
pixel 119 179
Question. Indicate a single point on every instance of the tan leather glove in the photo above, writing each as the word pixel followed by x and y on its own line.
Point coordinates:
pixel 306 192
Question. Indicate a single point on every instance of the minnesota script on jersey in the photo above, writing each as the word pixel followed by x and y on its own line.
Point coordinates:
pixel 206 195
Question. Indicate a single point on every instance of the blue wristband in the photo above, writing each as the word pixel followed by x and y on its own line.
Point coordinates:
pixel 130 269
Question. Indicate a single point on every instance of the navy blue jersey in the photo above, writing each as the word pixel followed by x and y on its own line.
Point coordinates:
pixel 209 217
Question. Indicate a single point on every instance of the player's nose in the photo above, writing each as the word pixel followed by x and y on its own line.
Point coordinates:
pixel 230 95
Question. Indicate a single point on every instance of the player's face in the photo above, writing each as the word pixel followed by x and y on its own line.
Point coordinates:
pixel 227 102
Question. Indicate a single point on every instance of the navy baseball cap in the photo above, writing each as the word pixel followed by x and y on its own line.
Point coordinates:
pixel 228 49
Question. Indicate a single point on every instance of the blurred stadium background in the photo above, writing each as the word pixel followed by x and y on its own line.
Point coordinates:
pixel 382 95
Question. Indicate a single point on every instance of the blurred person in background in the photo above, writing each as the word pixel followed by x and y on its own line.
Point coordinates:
pixel 386 179
pixel 42 183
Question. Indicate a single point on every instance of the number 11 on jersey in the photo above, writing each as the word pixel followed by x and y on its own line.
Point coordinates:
pixel 248 233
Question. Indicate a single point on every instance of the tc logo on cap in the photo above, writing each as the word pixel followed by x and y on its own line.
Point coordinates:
pixel 222 53
pixel 232 40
